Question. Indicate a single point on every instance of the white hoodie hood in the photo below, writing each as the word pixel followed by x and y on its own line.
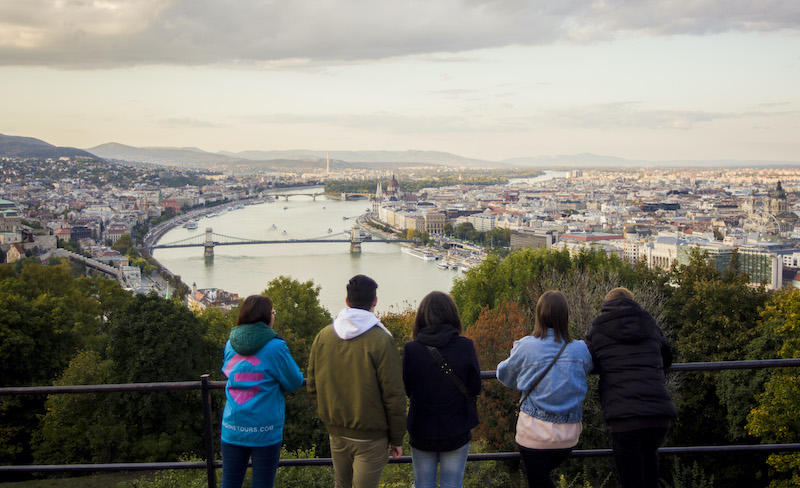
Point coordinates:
pixel 352 322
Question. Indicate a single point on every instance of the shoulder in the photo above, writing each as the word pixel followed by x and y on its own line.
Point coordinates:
pixel 324 333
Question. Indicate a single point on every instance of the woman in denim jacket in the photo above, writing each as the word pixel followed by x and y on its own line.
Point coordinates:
pixel 549 422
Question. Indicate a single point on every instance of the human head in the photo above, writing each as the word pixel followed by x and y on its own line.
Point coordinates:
pixel 255 308
pixel 552 312
pixel 437 308
pixel 619 292
pixel 361 292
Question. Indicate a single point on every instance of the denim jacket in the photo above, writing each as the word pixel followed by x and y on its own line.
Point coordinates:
pixel 558 397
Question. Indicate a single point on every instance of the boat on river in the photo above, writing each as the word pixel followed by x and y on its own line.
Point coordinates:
pixel 419 253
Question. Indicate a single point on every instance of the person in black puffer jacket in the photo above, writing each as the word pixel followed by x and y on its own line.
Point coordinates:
pixel 631 353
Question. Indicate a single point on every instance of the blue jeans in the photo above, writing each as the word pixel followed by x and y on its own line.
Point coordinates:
pixel 235 459
pixel 451 472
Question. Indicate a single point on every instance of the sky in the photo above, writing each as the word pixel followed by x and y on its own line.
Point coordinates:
pixel 642 80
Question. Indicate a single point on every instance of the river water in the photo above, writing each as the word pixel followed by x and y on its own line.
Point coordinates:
pixel 246 269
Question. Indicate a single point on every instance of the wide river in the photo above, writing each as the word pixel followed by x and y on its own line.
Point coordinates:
pixel 246 269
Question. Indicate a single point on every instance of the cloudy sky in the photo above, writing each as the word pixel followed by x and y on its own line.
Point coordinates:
pixel 489 79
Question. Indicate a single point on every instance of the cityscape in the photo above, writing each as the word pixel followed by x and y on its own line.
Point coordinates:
pixel 652 216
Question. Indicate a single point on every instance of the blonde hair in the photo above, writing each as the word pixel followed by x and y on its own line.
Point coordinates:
pixel 619 292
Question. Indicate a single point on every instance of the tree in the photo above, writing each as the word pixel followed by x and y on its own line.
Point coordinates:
pixel 713 316
pixel 493 334
pixel 153 339
pixel 775 419
pixel 123 243
pixel 44 319
pixel 299 317
pixel 76 428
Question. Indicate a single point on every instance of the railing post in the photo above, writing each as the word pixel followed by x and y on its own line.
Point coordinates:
pixel 208 431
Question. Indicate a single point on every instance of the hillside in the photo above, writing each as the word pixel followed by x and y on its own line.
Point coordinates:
pixel 29 147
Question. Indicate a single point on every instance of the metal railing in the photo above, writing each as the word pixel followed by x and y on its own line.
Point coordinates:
pixel 211 465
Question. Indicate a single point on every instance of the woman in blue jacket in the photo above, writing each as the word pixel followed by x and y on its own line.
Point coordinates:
pixel 549 422
pixel 442 404
pixel 260 370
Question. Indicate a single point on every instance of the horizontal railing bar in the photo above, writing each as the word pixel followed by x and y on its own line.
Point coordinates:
pixel 489 456
pixel 52 390
pixel 218 385
pixel 712 366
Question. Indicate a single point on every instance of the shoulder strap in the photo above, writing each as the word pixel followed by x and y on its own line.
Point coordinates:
pixel 537 380
pixel 451 375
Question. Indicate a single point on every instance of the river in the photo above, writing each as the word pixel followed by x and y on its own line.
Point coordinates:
pixel 246 269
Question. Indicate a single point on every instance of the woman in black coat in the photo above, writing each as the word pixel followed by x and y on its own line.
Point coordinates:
pixel 442 405
pixel 631 353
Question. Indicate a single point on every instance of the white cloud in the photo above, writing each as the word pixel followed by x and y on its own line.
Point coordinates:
pixel 614 116
pixel 107 33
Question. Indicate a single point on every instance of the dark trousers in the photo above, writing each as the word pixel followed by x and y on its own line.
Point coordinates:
pixel 537 464
pixel 235 459
pixel 636 458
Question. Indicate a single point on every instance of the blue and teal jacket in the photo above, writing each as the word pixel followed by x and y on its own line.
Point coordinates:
pixel 559 396
pixel 260 370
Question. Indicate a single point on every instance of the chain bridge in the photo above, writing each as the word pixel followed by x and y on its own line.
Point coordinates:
pixel 209 240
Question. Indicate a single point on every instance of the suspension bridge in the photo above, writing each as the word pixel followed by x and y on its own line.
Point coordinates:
pixel 209 240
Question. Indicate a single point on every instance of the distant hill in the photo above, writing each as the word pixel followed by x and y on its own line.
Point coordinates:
pixel 179 156
pixel 397 157
pixel 28 147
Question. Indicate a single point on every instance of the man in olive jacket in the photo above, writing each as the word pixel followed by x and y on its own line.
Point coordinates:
pixel 355 378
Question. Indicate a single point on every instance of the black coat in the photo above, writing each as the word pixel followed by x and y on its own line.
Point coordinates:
pixel 630 353
pixel 439 416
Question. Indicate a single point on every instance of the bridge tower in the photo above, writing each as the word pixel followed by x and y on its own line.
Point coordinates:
pixel 355 239
pixel 208 246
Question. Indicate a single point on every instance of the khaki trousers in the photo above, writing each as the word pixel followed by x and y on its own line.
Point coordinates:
pixel 358 463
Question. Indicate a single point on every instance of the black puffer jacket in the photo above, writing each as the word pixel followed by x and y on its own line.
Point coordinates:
pixel 631 353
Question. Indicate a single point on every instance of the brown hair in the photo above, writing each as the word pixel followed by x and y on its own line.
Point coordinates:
pixel 255 308
pixel 619 292
pixel 552 312
pixel 437 308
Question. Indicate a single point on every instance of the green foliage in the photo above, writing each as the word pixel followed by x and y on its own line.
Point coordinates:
pixel 774 418
pixel 123 243
pixel 303 476
pixel 75 428
pixel 485 474
pixel 713 316
pixel 183 478
pixel 298 320
pixel 685 476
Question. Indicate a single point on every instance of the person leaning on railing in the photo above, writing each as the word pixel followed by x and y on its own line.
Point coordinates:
pixel 631 353
pixel 442 377
pixel 551 370
pixel 260 370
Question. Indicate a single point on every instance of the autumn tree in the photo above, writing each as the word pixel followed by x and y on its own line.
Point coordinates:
pixel 493 334
pixel 774 418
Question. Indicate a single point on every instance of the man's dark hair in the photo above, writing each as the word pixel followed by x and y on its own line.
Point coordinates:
pixel 361 292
